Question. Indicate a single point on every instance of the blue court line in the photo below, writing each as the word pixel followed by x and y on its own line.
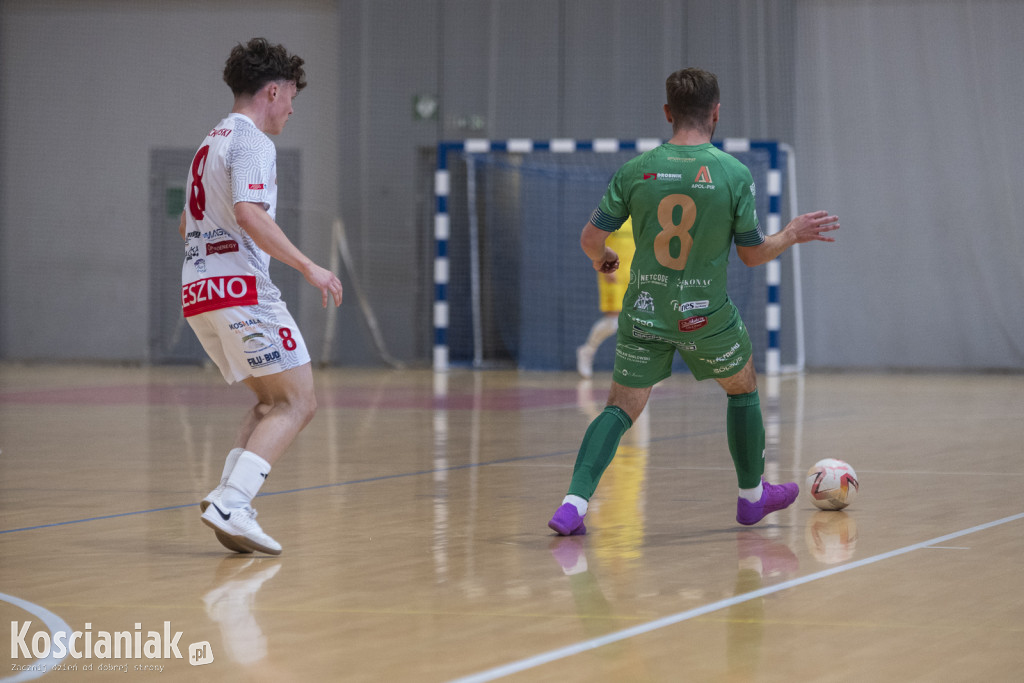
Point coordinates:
pixel 95 519
pixel 383 477
pixel 368 480
pixel 594 643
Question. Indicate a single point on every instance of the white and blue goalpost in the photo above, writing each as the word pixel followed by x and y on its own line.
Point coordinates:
pixel 476 156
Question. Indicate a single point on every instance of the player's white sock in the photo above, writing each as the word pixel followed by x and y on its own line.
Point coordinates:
pixel 229 463
pixel 245 480
pixel 602 329
pixel 752 495
pixel 579 503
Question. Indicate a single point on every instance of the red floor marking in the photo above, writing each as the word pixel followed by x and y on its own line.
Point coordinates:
pixel 400 398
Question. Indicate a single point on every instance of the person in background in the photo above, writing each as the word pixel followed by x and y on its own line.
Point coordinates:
pixel 611 287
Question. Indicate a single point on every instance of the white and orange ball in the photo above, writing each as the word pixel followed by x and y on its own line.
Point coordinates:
pixel 832 484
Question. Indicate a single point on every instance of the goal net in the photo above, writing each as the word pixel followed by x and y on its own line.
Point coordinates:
pixel 512 287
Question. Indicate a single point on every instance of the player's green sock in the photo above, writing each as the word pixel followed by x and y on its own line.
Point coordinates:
pixel 745 429
pixel 597 450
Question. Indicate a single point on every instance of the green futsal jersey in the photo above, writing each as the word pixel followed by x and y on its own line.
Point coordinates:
pixel 688 203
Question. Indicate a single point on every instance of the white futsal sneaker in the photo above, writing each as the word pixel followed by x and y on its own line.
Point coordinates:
pixel 225 540
pixel 239 525
pixel 585 361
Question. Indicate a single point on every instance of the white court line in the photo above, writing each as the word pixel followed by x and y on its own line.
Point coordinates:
pixel 52 622
pixel 594 643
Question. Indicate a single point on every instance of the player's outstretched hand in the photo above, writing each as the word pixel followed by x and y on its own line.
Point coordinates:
pixel 608 263
pixel 326 281
pixel 812 226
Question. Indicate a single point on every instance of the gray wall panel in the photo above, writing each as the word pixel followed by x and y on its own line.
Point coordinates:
pixel 908 118
pixel 88 89
pixel 913 140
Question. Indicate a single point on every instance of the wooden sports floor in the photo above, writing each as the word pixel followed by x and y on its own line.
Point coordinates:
pixel 413 516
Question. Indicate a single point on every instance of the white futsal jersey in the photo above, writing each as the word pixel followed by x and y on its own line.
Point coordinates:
pixel 223 266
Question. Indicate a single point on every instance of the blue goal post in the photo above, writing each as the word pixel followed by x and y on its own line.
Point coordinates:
pixel 775 152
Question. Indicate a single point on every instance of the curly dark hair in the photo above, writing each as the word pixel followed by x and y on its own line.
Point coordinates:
pixel 691 94
pixel 253 65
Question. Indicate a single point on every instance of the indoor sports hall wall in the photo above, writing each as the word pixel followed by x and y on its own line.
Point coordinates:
pixel 88 91
pixel 905 117
pixel 909 119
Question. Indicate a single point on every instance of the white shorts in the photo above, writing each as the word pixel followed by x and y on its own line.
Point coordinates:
pixel 251 341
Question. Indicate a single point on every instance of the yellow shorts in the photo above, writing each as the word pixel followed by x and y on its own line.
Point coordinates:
pixel 610 293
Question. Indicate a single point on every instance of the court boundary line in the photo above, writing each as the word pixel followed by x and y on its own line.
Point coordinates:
pixel 52 622
pixel 642 629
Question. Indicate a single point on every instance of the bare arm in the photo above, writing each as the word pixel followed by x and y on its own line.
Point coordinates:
pixel 270 238
pixel 604 258
pixel 807 227
pixel 181 227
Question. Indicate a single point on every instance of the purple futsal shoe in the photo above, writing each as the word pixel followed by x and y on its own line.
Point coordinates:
pixel 774 498
pixel 567 521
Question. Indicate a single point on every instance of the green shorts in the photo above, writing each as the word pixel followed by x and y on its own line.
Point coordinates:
pixel 643 358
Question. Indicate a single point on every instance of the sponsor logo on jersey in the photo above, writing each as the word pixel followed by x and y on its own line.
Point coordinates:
pixel 654 279
pixel 644 302
pixel 690 305
pixel 694 282
pixel 225 247
pixel 265 359
pixel 663 176
pixel 223 132
pixel 633 356
pixel 218 232
pixel 703 180
pixel 693 324
pixel 200 265
pixel 212 293
pixel 640 333
pixel 725 356
pixel 256 186
pixel 640 321
pixel 256 342
pixel 728 367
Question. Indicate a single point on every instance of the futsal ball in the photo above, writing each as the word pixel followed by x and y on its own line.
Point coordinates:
pixel 832 484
